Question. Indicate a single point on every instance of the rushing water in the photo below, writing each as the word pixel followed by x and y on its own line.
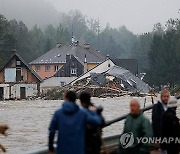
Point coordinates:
pixel 29 120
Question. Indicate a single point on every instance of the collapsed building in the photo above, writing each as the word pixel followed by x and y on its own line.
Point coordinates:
pixel 108 74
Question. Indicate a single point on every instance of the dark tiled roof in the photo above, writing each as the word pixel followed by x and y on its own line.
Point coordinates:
pixel 58 55
pixel 129 64
pixel 131 79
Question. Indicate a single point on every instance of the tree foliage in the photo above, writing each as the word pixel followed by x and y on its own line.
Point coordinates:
pixel 7 40
pixel 164 56
pixel 158 52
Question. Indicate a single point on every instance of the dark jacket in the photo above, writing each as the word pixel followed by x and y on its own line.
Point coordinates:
pixel 70 122
pixel 93 136
pixel 139 126
pixel 157 115
pixel 170 128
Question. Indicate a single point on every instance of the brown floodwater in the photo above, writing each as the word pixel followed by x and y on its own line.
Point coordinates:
pixel 29 120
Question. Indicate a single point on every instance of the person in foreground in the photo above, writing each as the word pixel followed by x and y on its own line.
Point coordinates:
pixel 171 128
pixel 157 115
pixel 138 126
pixel 93 133
pixel 70 122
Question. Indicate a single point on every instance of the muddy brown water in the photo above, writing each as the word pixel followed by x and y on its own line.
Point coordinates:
pixel 29 120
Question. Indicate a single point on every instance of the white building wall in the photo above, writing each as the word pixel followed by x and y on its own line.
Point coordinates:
pixel 31 90
pixel 6 90
pixel 55 82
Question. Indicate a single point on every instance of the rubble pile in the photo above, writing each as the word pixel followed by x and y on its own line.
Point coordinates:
pixel 109 89
pixel 98 85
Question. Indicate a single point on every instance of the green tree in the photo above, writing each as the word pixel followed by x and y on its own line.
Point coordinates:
pixel 7 40
pixel 163 59
pixel 62 35
pixel 50 37
pixel 140 50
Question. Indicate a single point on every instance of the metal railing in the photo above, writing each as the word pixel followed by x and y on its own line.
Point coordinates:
pixel 108 142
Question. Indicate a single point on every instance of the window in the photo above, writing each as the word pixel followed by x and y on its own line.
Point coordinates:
pixel 73 71
pixel 56 68
pixel 10 74
pixel 47 68
pixel 18 75
pixel 18 63
pixel 38 68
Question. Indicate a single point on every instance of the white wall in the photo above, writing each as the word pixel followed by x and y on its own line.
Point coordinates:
pixel 31 90
pixel 55 82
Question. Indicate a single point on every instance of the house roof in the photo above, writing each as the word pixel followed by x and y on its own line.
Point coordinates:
pixel 129 64
pixel 26 64
pixel 58 55
pixel 129 77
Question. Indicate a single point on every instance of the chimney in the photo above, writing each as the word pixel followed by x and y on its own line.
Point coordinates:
pixel 87 46
pixel 73 40
pixel 76 43
pixel 108 58
pixel 58 45
pixel 68 62
pixel 85 64
pixel 13 51
pixel 68 58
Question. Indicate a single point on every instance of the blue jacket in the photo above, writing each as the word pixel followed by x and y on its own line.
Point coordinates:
pixel 70 122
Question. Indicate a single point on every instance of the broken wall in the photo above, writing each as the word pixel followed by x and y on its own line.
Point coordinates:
pixel 13 91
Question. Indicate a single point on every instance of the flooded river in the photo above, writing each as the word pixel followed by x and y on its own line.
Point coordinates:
pixel 29 120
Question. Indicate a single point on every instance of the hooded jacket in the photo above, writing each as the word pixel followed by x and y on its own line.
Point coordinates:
pixel 157 116
pixel 70 122
pixel 171 129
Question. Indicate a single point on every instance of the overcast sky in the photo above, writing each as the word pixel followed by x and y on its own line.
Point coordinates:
pixel 138 15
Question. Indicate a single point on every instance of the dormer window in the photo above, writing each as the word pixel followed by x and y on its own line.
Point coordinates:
pixel 73 71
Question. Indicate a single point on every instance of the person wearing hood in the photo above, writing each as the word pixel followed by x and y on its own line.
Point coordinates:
pixel 157 115
pixel 70 122
pixel 158 111
pixel 93 133
pixel 171 127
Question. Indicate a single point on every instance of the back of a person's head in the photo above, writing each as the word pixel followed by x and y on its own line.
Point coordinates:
pixel 70 96
pixel 85 98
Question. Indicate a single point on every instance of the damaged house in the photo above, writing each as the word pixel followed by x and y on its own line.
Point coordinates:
pixel 114 75
pixel 18 80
